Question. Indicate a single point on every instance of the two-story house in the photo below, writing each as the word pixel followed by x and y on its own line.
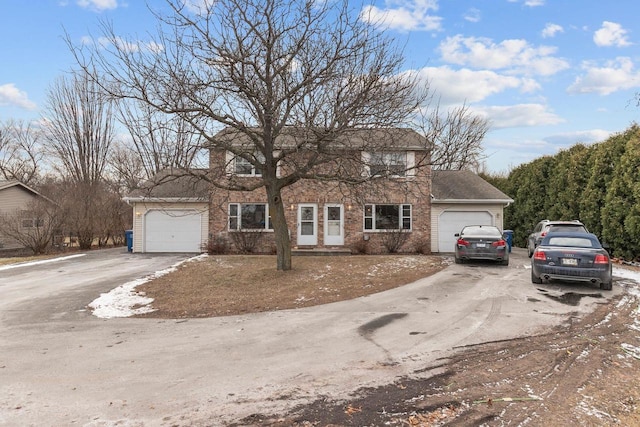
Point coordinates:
pixel 370 194
pixel 387 198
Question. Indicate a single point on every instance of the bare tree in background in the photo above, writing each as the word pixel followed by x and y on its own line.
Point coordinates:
pixel 79 133
pixel 21 154
pixel 456 137
pixel 158 141
pixel 257 69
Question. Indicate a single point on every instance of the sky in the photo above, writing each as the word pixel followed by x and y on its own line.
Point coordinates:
pixel 546 74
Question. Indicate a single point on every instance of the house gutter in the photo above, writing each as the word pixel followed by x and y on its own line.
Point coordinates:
pixel 130 200
pixel 505 202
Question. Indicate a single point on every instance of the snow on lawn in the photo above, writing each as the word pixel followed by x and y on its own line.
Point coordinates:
pixel 124 301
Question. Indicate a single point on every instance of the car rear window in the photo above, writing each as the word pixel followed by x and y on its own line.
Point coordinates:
pixel 559 228
pixel 577 242
pixel 481 231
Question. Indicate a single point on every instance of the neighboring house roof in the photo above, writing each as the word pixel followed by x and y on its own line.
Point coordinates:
pixel 462 186
pixel 291 137
pixel 172 186
pixel 15 183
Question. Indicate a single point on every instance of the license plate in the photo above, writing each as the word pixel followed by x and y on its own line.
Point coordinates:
pixel 569 261
pixel 481 245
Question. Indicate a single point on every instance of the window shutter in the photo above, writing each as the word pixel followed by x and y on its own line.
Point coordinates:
pixel 411 163
pixel 229 162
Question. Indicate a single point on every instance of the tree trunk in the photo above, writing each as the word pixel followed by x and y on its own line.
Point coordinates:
pixel 280 229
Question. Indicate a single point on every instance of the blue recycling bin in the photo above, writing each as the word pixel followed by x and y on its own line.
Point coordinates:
pixel 508 234
pixel 128 234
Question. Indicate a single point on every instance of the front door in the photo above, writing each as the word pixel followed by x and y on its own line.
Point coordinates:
pixel 307 225
pixel 333 225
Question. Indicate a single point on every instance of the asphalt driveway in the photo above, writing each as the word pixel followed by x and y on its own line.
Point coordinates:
pixel 59 365
pixel 61 289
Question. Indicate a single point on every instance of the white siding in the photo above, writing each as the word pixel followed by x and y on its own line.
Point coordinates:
pixel 140 210
pixel 13 199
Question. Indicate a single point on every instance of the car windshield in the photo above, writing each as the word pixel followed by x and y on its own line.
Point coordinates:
pixel 481 231
pixel 576 242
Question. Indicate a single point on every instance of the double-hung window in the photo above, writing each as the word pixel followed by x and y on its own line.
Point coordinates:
pixel 388 164
pixel 249 217
pixel 244 167
pixel 387 217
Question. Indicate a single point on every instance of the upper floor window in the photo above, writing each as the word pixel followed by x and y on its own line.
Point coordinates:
pixel 242 166
pixel 387 217
pixel 249 216
pixel 390 163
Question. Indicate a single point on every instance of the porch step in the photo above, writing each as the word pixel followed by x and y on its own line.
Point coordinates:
pixel 320 251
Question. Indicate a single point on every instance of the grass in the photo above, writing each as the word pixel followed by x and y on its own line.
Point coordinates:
pixel 240 284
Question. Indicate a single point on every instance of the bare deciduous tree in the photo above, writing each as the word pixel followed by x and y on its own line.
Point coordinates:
pixel 456 137
pixel 21 154
pixel 259 69
pixel 79 127
pixel 158 141
pixel 79 132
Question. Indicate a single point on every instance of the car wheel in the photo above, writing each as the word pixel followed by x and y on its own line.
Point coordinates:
pixel 606 286
pixel 458 260
pixel 529 251
pixel 504 262
pixel 535 279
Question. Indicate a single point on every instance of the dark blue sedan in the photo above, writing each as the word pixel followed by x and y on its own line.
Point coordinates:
pixel 575 257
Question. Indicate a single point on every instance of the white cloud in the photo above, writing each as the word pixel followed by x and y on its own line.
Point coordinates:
pixel 515 55
pixel 584 136
pixel 11 95
pixel 519 115
pixel 465 85
pixel 615 75
pixel 611 34
pixel 534 3
pixel 199 7
pixel 473 15
pixel 404 15
pixel 98 5
pixel 122 44
pixel 550 30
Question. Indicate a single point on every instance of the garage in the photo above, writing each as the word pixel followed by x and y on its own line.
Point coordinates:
pixel 172 230
pixel 451 222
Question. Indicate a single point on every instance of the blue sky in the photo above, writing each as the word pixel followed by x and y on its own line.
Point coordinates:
pixel 546 73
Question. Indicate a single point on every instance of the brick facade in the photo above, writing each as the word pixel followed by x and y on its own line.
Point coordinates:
pixel 413 191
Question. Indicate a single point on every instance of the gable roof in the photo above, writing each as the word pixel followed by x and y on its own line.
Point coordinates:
pixel 292 137
pixel 170 185
pixel 15 183
pixel 462 186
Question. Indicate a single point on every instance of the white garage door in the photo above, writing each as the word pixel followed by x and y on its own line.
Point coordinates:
pixel 172 231
pixel 451 223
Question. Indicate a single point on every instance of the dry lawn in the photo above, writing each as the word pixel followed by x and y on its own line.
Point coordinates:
pixel 238 284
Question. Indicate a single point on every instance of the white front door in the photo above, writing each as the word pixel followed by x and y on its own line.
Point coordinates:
pixel 307 224
pixel 333 225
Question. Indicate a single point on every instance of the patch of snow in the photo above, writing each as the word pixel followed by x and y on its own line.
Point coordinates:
pixel 589 410
pixel 124 301
pixel 44 261
pixel 631 350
